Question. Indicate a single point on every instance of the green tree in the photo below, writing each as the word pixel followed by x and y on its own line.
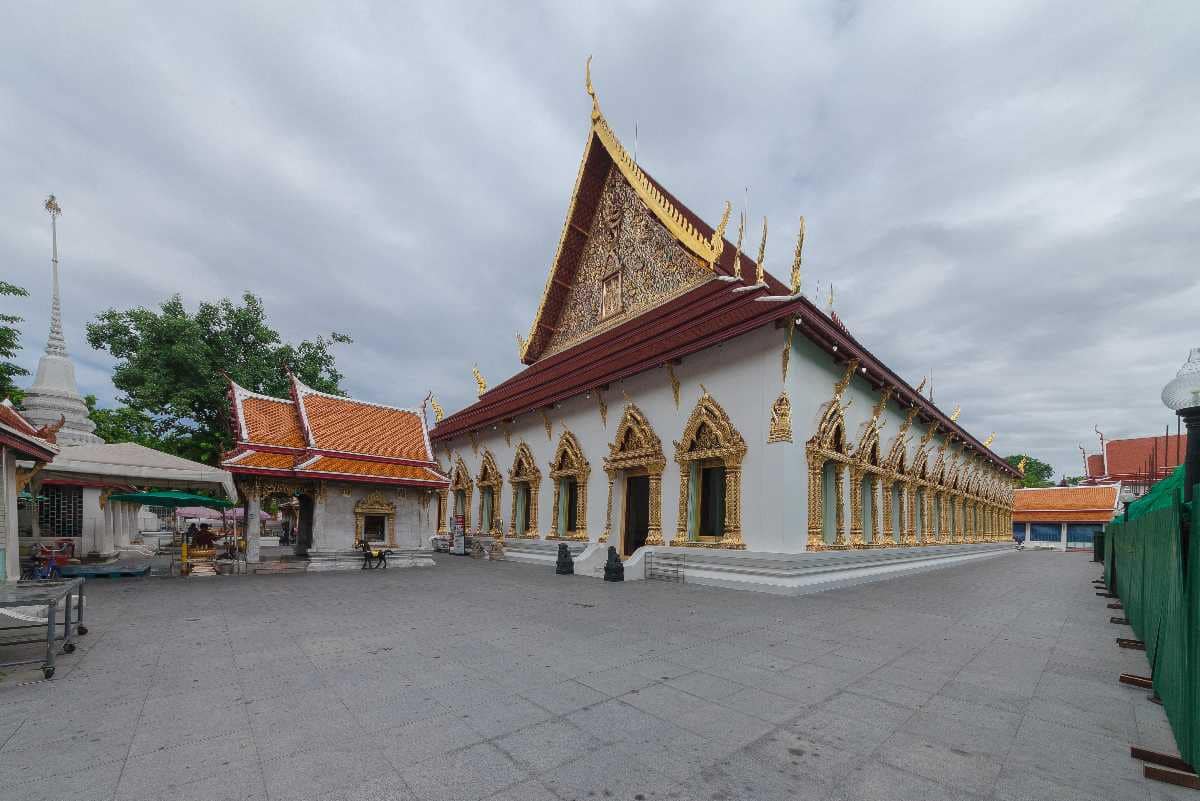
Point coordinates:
pixel 1037 472
pixel 123 424
pixel 170 365
pixel 10 343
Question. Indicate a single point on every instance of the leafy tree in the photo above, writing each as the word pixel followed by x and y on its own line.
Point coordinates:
pixel 170 366
pixel 123 424
pixel 1037 472
pixel 10 343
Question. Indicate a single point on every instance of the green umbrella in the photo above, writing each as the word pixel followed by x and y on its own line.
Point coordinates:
pixel 171 498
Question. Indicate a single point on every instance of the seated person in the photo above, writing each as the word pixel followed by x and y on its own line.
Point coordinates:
pixel 206 538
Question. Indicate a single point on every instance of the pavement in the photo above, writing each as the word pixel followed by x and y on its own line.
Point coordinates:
pixel 989 680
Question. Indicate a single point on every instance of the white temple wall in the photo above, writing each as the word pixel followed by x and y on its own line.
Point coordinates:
pixel 334 517
pixel 743 375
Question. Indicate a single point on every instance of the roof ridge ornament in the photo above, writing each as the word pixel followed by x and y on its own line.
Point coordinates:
pixel 591 90
pixel 717 240
pixel 797 258
pixel 987 443
pixel 737 250
pixel 759 271
pixel 954 414
pixel 480 383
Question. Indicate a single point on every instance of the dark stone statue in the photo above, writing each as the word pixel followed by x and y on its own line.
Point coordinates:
pixel 613 569
pixel 565 566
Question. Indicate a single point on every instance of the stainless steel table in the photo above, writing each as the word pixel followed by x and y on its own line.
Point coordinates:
pixel 51 594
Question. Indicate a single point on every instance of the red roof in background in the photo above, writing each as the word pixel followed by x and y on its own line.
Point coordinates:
pixel 1095 465
pixel 703 316
pixel 22 436
pixel 1131 457
pixel 1083 504
pixel 318 435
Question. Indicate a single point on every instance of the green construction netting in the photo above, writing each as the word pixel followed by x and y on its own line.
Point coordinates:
pixel 1161 494
pixel 1159 586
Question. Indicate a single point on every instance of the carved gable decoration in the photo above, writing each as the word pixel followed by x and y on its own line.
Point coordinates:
pixel 568 458
pixel 895 459
pixel 489 474
pixel 374 504
pixel 635 442
pixel 709 434
pixel 831 427
pixel 781 419
pixel 630 263
pixel 524 468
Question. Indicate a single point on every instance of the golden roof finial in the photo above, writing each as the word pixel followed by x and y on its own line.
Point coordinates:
pixel 591 90
pixel 717 242
pixel 954 414
pixel 51 205
pixel 830 298
pixel 520 345
pixel 438 412
pixel 796 259
pixel 737 250
pixel 987 443
pixel 1021 464
pixel 921 386
pixel 479 382
pixel 762 255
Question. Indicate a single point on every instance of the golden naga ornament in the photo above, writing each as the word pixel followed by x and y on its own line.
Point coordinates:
pixel 438 411
pixel 1021 464
pixel 921 386
pixel 521 341
pixel 987 443
pixel 954 414
pixel 479 382
pixel 717 242
pixel 797 258
pixel 759 272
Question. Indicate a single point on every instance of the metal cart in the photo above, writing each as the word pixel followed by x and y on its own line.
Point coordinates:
pixel 53 595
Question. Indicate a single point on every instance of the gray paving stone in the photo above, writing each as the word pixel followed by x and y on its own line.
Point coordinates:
pixel 947 765
pixel 472 773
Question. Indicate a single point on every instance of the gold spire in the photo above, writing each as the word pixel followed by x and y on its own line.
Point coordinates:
pixel 830 298
pixel 762 255
pixel 717 242
pixel 737 250
pixel 438 411
pixel 796 259
pixel 954 414
pixel 479 382
pixel 1021 464
pixel 52 206
pixel 987 443
pixel 596 115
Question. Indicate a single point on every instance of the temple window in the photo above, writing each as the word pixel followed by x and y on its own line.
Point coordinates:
pixel 829 502
pixel 570 471
pixel 710 464
pixel 373 528
pixel 485 508
pixel 490 483
pixel 867 501
pixel 897 512
pixel 525 479
pixel 610 295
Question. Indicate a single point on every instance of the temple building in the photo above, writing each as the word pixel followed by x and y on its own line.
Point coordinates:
pixel 676 396
pixel 1135 462
pixel 19 440
pixel 1063 517
pixel 360 471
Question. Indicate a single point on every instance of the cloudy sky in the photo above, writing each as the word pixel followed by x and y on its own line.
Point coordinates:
pixel 1008 196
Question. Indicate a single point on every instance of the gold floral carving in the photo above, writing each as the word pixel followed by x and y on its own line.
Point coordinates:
pixel 438 412
pixel 569 463
pixel 781 419
pixel 710 434
pixel 636 447
pixel 674 383
pixel 524 471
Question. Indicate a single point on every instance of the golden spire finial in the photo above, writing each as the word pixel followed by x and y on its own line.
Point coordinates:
pixel 591 90
pixel 830 298
pixel 796 259
pixel 987 443
pixel 51 205
pixel 1021 464
pixel 479 382
pixel 954 414
pixel 737 250
pixel 438 412
pixel 762 255
pixel 717 243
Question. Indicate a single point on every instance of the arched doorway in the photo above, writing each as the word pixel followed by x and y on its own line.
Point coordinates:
pixel 635 466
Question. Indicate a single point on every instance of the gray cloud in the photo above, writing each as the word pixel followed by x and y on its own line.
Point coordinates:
pixel 1003 195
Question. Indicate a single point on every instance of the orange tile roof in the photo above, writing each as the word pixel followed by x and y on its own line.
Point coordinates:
pixel 1065 504
pixel 1131 456
pixel 271 421
pixel 29 442
pixel 13 419
pixel 359 467
pixel 342 424
pixel 268 461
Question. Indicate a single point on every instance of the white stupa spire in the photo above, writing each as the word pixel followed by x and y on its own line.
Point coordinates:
pixel 54 393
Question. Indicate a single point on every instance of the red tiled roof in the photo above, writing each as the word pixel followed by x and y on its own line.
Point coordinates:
pixel 1095 465
pixel 357 467
pixel 701 317
pixel 271 421
pixel 325 436
pixel 1130 457
pixel 350 426
pixel 19 434
pixel 1084 504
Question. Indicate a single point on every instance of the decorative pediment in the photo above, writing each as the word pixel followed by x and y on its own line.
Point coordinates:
pixel 709 434
pixel 489 474
pixel 867 451
pixel 568 458
pixel 895 459
pixel 635 442
pixel 831 424
pixel 460 478
pixel 524 468
pixel 376 503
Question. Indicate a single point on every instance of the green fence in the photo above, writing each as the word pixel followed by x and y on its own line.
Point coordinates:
pixel 1159 586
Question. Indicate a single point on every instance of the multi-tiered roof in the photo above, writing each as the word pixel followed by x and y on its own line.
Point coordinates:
pixel 316 435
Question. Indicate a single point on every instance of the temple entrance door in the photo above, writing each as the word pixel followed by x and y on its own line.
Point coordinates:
pixel 304 532
pixel 637 513
pixel 373 528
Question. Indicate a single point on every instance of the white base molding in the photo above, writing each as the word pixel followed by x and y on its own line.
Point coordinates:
pixel 798 573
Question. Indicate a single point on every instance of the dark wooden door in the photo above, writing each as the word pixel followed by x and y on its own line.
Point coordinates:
pixel 637 512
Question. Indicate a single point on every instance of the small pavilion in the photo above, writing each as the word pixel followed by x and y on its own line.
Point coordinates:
pixel 19 440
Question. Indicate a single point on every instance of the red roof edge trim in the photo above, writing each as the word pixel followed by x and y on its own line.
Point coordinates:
pixel 352 477
pixel 26 447
pixel 367 457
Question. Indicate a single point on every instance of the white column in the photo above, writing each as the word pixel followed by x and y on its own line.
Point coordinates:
pixel 12 552
pixel 1026 543
pixel 252 529
pixel 1062 542
pixel 121 529
pixel 104 543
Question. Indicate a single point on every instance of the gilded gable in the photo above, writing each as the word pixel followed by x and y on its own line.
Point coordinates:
pixel 631 263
